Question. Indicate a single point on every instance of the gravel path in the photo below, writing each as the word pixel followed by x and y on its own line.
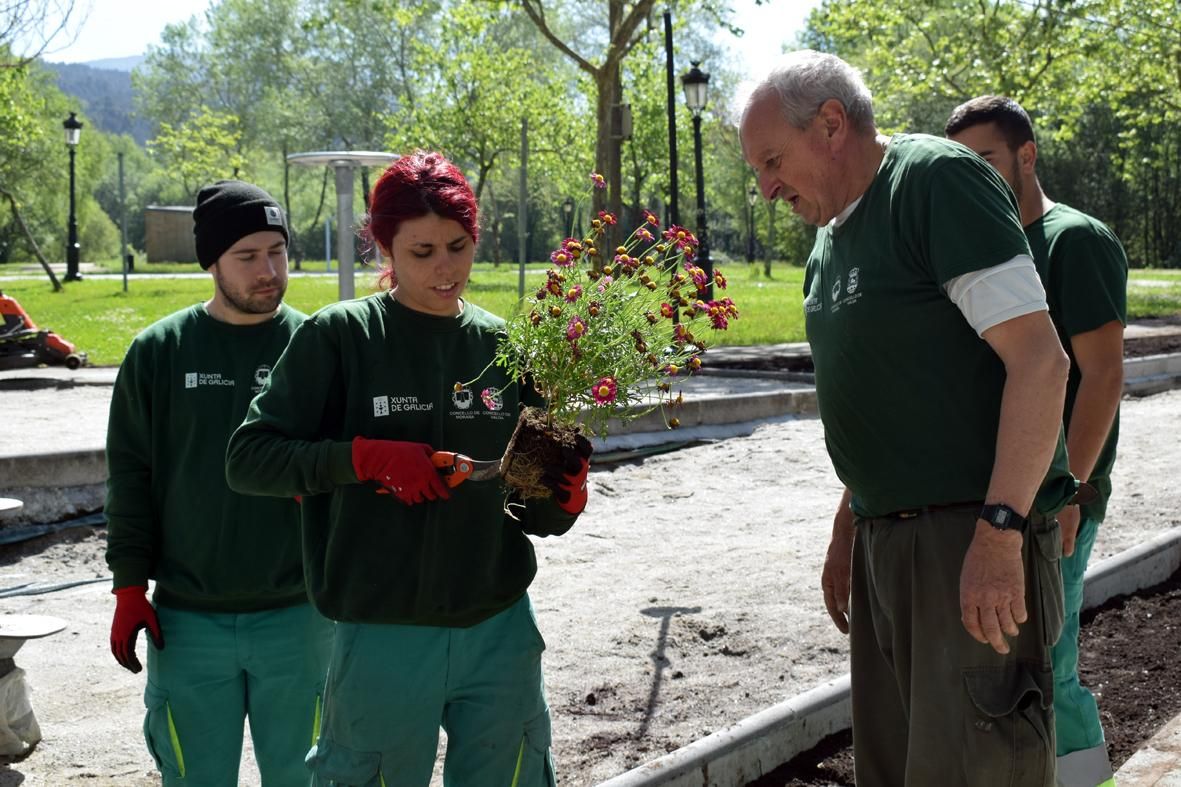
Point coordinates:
pixel 685 599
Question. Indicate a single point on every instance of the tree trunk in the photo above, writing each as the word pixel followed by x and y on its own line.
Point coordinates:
pixel 57 287
pixel 294 249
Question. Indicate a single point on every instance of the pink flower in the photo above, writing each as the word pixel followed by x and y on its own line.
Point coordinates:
pixel 680 236
pixel 719 280
pixel 607 218
pixel 720 313
pixel 598 181
pixel 573 247
pixel 574 293
pixel 605 282
pixel 672 369
pixel 680 333
pixel 562 258
pixel 604 390
pixel 697 275
pixel 650 217
pixel 645 235
pixel 575 328
pixel 666 310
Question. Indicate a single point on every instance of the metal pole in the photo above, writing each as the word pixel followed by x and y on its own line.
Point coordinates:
pixel 72 231
pixel 750 233
pixel 522 210
pixel 770 240
pixel 328 244
pixel 703 260
pixel 674 214
pixel 122 221
pixel 344 240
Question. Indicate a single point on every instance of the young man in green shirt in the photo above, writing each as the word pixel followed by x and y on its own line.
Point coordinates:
pixel 1085 273
pixel 230 599
pixel 940 381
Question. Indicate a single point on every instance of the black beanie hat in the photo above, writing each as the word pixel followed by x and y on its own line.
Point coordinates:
pixel 228 211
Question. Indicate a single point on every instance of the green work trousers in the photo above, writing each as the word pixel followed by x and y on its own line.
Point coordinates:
pixel 933 707
pixel 215 670
pixel 1082 753
pixel 390 688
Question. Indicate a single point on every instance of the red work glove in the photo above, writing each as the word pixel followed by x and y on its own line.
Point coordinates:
pixel 403 468
pixel 568 481
pixel 132 613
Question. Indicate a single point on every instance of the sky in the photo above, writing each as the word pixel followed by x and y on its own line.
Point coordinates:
pixel 122 28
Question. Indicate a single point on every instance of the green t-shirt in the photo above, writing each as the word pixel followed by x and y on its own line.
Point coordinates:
pixel 182 389
pixel 909 395
pixel 1085 272
pixel 374 368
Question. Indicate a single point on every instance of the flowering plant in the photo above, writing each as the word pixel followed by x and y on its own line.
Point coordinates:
pixel 606 335
pixel 610 331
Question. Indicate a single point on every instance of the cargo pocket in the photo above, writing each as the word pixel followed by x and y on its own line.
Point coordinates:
pixel 1008 727
pixel 1046 555
pixel 535 763
pixel 333 765
pixel 160 733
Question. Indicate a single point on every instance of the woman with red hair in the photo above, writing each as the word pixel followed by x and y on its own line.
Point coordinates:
pixel 427 583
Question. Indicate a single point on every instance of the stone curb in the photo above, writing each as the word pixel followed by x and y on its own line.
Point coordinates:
pixel 760 743
pixel 1152 374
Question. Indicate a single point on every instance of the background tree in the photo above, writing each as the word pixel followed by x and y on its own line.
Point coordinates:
pixel 203 149
pixel 1098 77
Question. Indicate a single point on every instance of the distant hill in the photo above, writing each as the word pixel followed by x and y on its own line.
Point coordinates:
pixel 116 63
pixel 105 94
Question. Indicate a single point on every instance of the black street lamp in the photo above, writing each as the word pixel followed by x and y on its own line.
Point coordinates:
pixel 696 86
pixel 752 197
pixel 73 127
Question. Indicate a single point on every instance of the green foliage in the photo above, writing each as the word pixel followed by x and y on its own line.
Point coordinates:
pixel 1099 78
pixel 473 90
pixel 203 149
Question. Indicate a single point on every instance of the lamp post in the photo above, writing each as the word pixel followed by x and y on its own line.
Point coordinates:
pixel 567 212
pixel 674 211
pixel 73 128
pixel 752 197
pixel 696 86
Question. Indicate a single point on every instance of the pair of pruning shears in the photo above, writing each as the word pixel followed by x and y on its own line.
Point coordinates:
pixel 457 468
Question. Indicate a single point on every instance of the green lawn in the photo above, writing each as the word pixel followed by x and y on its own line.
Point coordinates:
pixel 102 320
pixel 1153 293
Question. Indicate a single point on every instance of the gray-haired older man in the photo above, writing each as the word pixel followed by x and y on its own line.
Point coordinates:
pixel 940 380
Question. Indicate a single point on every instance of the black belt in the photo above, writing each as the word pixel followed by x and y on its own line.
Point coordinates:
pixel 911 513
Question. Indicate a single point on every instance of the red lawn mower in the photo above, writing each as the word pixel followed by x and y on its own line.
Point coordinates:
pixel 23 344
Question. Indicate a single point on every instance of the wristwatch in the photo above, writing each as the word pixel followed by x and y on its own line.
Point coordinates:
pixel 1002 517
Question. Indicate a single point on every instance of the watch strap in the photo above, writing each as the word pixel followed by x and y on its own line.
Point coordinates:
pixel 1002 517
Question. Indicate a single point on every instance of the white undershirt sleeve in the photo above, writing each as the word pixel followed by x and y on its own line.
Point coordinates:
pixel 993 295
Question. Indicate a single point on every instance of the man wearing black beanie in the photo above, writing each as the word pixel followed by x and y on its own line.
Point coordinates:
pixel 229 600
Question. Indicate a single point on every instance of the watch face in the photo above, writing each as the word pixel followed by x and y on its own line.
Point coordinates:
pixel 1002 517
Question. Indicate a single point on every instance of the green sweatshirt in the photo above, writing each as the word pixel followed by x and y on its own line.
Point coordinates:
pixel 182 390
pixel 373 368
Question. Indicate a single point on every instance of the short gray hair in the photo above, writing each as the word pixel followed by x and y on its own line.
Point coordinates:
pixel 805 79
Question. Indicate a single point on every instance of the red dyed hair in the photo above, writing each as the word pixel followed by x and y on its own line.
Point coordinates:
pixel 413 186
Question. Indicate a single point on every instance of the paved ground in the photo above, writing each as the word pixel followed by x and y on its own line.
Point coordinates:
pixel 73 417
